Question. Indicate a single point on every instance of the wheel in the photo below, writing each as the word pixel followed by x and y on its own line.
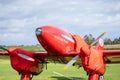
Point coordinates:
pixel 101 77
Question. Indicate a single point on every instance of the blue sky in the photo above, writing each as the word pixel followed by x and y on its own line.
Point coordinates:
pixel 20 18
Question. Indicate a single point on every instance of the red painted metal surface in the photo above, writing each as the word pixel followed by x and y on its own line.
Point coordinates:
pixel 55 41
pixel 4 53
pixel 111 52
pixel 93 76
pixel 21 64
pixel 25 77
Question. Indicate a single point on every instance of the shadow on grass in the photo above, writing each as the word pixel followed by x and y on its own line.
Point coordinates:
pixel 65 78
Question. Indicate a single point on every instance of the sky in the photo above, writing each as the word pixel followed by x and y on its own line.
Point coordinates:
pixel 20 18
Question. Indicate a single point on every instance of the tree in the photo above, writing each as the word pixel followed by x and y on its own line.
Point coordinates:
pixel 107 41
pixel 116 41
pixel 89 38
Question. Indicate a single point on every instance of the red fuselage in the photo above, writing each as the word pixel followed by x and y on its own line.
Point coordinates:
pixel 54 40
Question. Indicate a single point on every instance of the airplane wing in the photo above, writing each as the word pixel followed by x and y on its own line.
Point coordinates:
pixel 39 55
pixel 4 53
pixel 112 56
pixel 45 54
pixel 36 54
pixel 111 52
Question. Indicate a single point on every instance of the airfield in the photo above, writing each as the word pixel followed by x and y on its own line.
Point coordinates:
pixel 55 70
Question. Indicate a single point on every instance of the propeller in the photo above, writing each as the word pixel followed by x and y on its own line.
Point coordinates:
pixel 26 57
pixel 3 48
pixel 74 59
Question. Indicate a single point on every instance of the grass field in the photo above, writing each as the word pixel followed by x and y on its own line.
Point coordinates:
pixel 7 73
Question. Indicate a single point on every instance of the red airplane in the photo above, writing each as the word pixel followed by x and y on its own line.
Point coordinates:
pixel 59 43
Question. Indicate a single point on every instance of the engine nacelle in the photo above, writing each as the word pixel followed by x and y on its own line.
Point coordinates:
pixel 24 65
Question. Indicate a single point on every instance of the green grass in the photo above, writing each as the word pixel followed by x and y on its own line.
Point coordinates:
pixel 32 48
pixel 29 48
pixel 7 73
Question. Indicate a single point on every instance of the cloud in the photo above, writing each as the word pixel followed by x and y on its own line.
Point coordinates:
pixel 20 18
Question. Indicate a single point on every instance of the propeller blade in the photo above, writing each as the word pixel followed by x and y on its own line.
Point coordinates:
pixel 62 75
pixel 3 48
pixel 26 57
pixel 98 38
pixel 71 62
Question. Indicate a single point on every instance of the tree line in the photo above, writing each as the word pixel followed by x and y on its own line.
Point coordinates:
pixel 107 41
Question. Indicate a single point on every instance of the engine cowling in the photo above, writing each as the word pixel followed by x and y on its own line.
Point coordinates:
pixel 22 65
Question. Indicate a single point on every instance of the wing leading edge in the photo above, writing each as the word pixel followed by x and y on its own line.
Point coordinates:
pixel 4 53
pixel 112 56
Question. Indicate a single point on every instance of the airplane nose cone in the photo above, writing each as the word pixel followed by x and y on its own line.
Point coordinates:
pixel 39 31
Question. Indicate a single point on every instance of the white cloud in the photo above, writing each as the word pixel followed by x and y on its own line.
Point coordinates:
pixel 19 18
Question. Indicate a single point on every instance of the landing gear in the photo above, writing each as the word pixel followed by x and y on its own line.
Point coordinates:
pixel 94 76
pixel 25 77
pixel 101 77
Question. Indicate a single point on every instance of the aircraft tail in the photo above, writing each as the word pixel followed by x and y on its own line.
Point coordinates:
pixel 100 44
